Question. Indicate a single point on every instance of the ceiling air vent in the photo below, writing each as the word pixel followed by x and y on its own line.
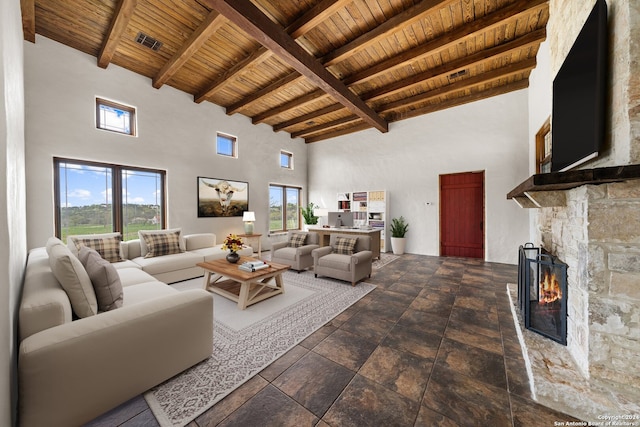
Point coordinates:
pixel 148 41
pixel 457 74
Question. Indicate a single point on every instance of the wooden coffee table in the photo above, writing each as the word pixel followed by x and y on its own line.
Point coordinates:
pixel 226 279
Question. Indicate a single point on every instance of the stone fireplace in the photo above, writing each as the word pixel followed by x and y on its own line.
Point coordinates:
pixel 595 229
pixel 590 219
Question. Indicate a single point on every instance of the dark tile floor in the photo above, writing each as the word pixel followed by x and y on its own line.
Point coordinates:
pixel 433 345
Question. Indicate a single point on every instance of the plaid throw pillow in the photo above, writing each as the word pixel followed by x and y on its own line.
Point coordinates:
pixel 297 239
pixel 345 245
pixel 107 247
pixel 159 244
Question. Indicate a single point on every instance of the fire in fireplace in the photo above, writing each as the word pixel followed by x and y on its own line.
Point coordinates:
pixel 543 295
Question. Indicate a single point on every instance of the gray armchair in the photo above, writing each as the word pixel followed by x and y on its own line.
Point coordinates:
pixel 298 257
pixel 327 260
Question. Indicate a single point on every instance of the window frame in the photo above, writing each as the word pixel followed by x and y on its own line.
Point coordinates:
pixel 284 188
pixel 117 205
pixel 133 128
pixel 234 145
pixel 543 147
pixel 289 156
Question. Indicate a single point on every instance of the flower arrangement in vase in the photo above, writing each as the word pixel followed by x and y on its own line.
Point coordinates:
pixel 233 244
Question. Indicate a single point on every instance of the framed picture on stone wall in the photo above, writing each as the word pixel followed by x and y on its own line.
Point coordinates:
pixel 222 197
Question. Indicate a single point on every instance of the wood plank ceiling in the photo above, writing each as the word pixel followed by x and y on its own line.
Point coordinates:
pixel 314 68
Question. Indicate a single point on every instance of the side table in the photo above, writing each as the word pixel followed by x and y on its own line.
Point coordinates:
pixel 249 237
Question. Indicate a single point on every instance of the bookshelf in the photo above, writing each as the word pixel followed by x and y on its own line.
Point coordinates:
pixel 370 208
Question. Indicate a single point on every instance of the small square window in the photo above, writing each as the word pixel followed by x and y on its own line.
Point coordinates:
pixel 115 117
pixel 226 145
pixel 286 160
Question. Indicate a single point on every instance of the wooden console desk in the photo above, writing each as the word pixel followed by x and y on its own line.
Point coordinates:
pixel 324 234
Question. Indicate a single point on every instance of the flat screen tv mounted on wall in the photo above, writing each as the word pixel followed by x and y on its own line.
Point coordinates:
pixel 579 96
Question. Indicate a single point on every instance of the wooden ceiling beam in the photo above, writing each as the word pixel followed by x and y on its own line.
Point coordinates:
pixel 445 70
pixel 336 133
pixel 273 87
pixel 484 78
pixel 199 37
pixel 360 43
pixel 477 96
pixel 315 16
pixel 402 19
pixel 447 40
pixel 491 76
pixel 295 103
pixel 253 22
pixel 124 11
pixel 440 71
pixel 325 126
pixel 28 9
pixel 299 27
pixel 308 117
pixel 226 77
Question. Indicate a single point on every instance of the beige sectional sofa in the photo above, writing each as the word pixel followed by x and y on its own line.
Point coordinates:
pixel 71 370
pixel 176 267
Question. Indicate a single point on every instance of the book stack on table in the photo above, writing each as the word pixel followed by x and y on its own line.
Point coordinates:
pixel 252 266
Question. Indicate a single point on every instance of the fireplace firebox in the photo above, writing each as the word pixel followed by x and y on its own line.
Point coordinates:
pixel 542 293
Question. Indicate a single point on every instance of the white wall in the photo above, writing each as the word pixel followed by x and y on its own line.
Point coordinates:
pixel 175 134
pixel 13 247
pixel 490 135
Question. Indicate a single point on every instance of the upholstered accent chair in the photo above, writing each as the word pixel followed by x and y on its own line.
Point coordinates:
pixel 347 257
pixel 296 250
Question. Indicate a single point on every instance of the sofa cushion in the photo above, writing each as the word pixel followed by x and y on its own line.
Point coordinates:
pixel 143 245
pixel 140 292
pixel 297 239
pixel 107 245
pixel 287 253
pixel 74 280
pixel 160 244
pixel 133 276
pixel 335 261
pixel 104 277
pixel 345 245
pixel 199 241
pixel 167 263
pixel 210 254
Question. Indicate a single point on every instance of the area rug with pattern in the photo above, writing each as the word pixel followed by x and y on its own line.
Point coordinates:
pixel 247 341
pixel 384 259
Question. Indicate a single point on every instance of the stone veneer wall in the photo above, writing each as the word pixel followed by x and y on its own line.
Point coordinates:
pixel 598 235
pixel 566 18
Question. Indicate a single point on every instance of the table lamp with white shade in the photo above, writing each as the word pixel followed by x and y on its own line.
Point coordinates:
pixel 248 217
pixel 321 213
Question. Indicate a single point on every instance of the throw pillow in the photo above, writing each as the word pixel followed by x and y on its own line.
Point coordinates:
pixel 297 239
pixel 107 247
pixel 159 244
pixel 104 278
pixel 143 245
pixel 74 280
pixel 345 245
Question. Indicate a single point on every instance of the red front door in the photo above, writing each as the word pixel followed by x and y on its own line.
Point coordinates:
pixel 462 215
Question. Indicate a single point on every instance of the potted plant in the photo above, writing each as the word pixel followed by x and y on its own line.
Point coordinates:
pixel 307 214
pixel 399 228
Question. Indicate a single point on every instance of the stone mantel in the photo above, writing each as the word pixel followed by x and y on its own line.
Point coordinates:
pixel 547 189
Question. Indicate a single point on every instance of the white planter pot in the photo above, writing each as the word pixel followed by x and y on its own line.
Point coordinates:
pixel 398 244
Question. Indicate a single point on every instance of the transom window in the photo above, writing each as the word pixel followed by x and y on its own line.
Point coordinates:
pixel 284 208
pixel 93 198
pixel 286 160
pixel 226 145
pixel 115 117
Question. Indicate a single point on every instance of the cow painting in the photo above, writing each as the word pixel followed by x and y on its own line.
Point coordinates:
pixel 221 197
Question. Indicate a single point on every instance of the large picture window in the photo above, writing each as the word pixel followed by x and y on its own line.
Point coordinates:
pixel 92 198
pixel 284 208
